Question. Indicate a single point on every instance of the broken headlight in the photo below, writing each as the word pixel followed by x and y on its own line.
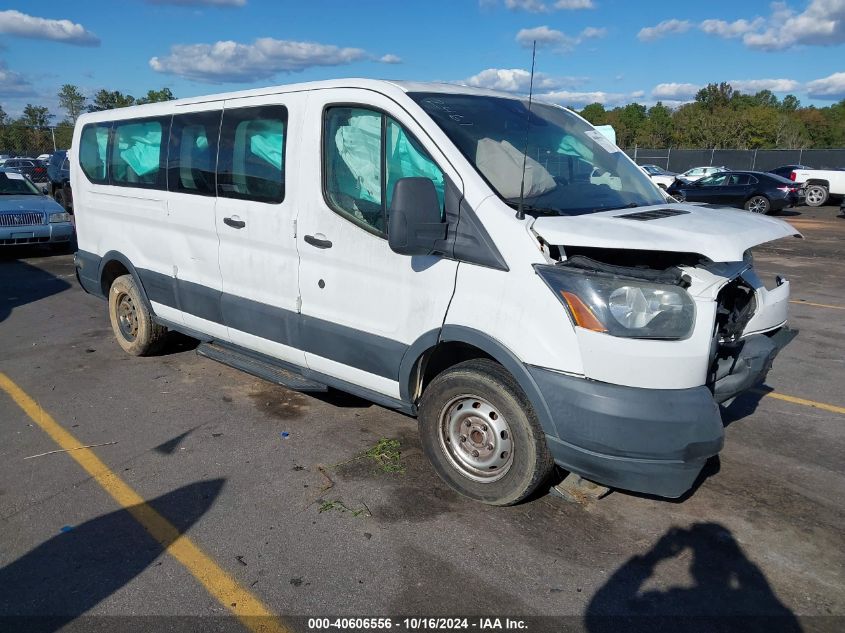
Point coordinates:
pixel 621 306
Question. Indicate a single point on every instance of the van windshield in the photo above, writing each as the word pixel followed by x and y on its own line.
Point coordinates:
pixel 570 168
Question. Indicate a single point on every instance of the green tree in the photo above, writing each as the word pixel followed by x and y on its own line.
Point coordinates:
pixel 3 116
pixel 36 116
pixel 72 101
pixel 714 96
pixel 155 96
pixel 109 100
pixel 790 103
pixel 595 114
pixel 658 129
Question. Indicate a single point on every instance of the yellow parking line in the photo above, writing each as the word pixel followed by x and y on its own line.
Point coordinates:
pixel 807 403
pixel 817 305
pixel 253 614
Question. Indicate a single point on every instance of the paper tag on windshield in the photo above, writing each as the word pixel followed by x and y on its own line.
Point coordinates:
pixel 13 175
pixel 602 140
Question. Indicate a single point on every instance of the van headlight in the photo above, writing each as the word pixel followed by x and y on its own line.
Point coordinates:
pixel 60 217
pixel 621 306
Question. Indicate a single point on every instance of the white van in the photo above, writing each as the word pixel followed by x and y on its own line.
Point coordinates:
pixel 367 236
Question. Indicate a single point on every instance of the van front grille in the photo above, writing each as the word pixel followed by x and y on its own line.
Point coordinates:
pixel 21 219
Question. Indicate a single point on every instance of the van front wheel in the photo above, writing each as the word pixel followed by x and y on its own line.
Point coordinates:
pixel 481 434
pixel 131 321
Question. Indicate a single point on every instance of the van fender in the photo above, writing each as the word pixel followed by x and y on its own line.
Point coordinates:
pixel 490 346
pixel 116 256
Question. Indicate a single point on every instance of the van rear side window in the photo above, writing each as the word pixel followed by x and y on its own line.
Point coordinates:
pixel 251 157
pixel 192 153
pixel 136 156
pixel 93 147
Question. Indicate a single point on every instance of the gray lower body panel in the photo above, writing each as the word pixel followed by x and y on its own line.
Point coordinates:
pixel 654 441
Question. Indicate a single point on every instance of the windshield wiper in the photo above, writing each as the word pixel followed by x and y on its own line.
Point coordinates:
pixel 630 205
pixel 527 208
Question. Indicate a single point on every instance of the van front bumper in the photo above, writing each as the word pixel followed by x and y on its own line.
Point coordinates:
pixel 653 441
pixel 52 233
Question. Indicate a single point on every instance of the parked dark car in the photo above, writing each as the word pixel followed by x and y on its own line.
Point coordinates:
pixel 34 169
pixel 784 170
pixel 58 172
pixel 755 191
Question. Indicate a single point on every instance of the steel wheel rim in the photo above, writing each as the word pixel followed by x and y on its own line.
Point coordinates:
pixel 476 438
pixel 127 317
pixel 758 205
pixel 814 195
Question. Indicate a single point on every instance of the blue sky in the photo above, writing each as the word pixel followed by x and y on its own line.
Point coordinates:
pixel 611 51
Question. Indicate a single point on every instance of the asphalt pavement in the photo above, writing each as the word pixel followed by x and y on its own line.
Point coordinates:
pixel 303 506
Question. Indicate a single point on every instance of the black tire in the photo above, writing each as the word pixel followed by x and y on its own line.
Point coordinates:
pixel 758 204
pixel 530 461
pixel 131 321
pixel 815 195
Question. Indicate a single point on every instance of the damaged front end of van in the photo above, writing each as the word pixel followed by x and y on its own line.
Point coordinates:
pixel 670 294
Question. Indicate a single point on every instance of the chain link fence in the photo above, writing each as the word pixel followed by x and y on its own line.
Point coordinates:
pixel 680 160
pixel 21 140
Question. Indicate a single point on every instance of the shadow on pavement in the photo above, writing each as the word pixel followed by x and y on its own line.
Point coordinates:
pixel 22 283
pixel 74 571
pixel 727 591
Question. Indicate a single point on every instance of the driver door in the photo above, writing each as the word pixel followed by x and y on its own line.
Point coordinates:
pixel 362 304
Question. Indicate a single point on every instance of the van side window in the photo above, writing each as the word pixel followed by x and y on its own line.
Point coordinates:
pixel 93 146
pixel 364 154
pixel 406 158
pixel 252 150
pixel 352 165
pixel 192 153
pixel 136 153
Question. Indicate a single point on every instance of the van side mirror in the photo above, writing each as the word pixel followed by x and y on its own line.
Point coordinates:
pixel 415 226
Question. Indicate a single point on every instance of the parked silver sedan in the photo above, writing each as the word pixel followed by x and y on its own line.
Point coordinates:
pixel 29 217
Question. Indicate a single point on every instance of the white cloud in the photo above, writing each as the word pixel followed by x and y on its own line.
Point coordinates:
pixel 229 61
pixel 13 84
pixel 202 3
pixel 675 91
pixel 546 37
pixel 821 23
pixel 519 80
pixel 667 27
pixel 728 30
pixel 22 25
pixel 541 6
pixel 751 86
pixel 831 87
pixel 580 99
pixel 574 4
pixel 390 58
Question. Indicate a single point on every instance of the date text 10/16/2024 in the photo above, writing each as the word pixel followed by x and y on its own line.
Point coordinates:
pixel 481 624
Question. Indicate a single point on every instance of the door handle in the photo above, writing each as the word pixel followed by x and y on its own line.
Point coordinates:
pixel 235 222
pixel 318 242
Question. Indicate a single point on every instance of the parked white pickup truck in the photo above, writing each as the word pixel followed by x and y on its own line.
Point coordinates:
pixel 820 184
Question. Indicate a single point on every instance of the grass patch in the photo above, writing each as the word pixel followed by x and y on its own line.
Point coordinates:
pixel 387 456
pixel 339 506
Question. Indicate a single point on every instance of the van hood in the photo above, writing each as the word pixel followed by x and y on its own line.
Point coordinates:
pixel 720 234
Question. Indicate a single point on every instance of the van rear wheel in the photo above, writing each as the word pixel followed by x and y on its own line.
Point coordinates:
pixel 131 321
pixel 481 435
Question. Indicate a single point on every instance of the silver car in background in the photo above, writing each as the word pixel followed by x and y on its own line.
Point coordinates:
pixel 27 216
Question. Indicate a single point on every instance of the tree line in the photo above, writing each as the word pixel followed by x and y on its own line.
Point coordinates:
pixel 724 118
pixel 35 131
pixel 719 117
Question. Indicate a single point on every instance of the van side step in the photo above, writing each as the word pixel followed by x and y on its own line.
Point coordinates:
pixel 260 368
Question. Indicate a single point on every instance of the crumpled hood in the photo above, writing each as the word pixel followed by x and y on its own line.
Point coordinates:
pixel 720 234
pixel 24 203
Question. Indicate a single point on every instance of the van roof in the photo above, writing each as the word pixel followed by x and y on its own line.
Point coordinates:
pixel 383 86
